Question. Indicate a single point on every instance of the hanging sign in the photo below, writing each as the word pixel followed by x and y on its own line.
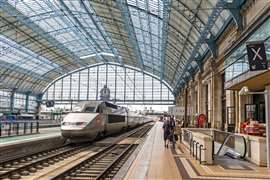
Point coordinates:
pixel 49 103
pixel 256 56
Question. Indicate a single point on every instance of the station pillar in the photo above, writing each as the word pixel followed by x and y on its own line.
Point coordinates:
pixel 12 94
pixel 27 102
pixel 39 101
pixel 267 115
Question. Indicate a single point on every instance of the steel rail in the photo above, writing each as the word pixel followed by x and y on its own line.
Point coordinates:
pixel 101 156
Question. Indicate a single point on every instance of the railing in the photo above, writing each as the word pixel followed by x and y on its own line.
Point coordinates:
pixel 18 128
pixel 194 146
pixel 187 136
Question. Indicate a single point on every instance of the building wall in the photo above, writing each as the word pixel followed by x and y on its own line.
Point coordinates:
pixel 213 68
pixel 254 9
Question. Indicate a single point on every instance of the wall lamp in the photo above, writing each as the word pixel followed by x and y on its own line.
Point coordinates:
pixel 245 91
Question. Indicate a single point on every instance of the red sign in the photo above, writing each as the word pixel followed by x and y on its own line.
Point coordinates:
pixel 201 120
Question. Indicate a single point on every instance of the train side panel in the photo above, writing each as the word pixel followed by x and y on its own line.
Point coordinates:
pixel 115 123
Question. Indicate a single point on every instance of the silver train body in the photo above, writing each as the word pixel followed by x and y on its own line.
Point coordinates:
pixel 92 119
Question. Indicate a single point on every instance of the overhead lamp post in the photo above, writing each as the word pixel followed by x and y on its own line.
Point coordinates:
pixel 246 91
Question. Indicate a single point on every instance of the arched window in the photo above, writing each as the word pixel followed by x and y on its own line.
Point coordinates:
pixel 126 84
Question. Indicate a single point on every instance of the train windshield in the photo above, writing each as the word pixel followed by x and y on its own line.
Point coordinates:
pixel 90 109
pixel 77 108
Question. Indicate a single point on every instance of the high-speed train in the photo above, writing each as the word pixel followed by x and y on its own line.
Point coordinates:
pixel 92 119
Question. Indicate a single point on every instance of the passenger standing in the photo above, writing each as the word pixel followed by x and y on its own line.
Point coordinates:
pixel 167 132
pixel 172 128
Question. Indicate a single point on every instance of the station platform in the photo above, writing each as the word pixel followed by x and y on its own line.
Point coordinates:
pixel 44 133
pixel 154 161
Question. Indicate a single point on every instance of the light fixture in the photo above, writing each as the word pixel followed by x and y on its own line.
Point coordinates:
pixel 245 91
pixel 97 54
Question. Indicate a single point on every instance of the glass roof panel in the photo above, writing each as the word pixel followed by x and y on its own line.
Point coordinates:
pixel 21 57
pixel 62 26
pixel 148 24
pixel 84 33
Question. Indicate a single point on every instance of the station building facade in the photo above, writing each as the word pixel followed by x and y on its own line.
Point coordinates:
pixel 214 88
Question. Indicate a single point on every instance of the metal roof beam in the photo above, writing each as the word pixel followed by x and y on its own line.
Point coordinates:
pixel 149 27
pixel 212 45
pixel 195 14
pixel 19 47
pixel 143 37
pixel 210 23
pixel 166 19
pixel 187 39
pixel 9 9
pixel 93 42
pixel 199 63
pixel 122 5
pixel 10 67
pixel 234 8
pixel 105 37
pixel 16 66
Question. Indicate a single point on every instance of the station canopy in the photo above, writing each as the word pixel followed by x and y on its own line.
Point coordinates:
pixel 41 40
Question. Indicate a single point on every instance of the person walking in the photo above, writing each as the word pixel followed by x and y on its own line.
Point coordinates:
pixel 166 132
pixel 172 128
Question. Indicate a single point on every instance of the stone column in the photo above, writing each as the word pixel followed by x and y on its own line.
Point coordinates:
pixel 186 107
pixel 216 98
pixel 230 102
pixel 200 95
pixel 267 116
pixel 192 102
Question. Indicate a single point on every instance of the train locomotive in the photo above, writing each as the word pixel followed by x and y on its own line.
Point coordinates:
pixel 94 119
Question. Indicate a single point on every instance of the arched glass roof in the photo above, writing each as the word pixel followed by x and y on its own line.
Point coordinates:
pixel 43 40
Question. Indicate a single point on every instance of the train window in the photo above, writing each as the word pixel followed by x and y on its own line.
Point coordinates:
pixel 116 118
pixel 111 105
pixel 89 109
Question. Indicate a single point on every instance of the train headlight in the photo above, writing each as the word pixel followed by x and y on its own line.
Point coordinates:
pixel 80 123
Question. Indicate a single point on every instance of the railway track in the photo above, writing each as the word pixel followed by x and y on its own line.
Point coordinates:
pixel 25 167
pixel 13 169
pixel 105 164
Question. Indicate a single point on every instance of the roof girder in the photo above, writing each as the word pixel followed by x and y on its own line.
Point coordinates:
pixel 122 5
pixel 210 23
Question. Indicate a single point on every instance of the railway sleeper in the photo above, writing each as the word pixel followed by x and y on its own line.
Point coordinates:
pixel 95 168
pixel 79 178
pixel 100 164
pixel 106 160
pixel 87 174
pixel 91 171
